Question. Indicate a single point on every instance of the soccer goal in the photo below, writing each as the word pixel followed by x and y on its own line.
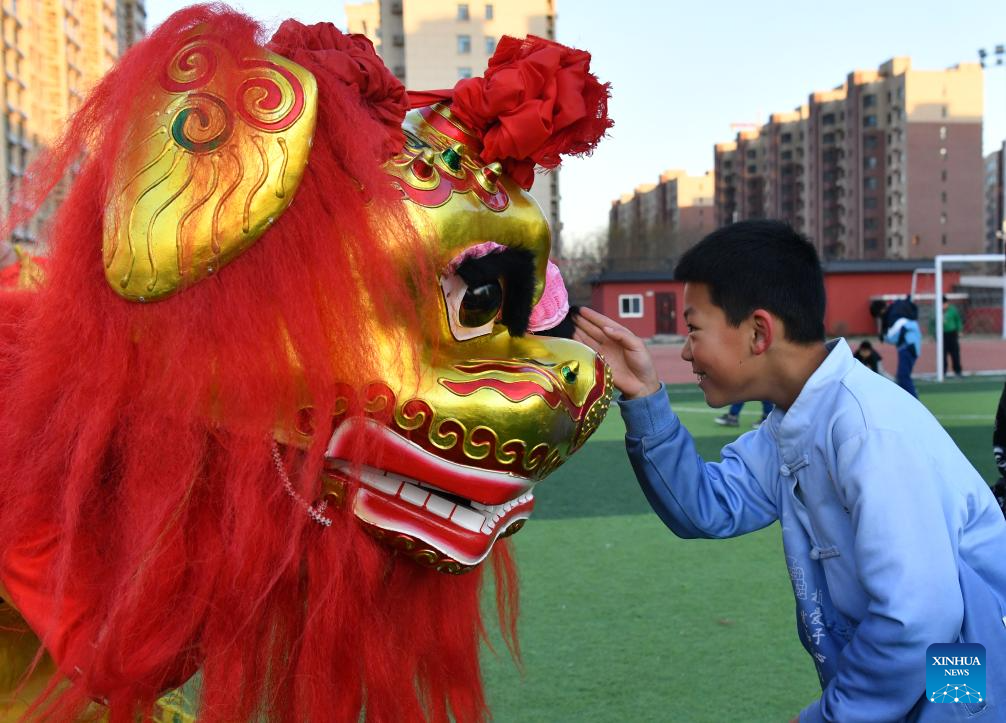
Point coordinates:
pixel 976 285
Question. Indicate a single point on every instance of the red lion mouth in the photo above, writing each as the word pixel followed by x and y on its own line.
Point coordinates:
pixel 457 510
pixel 435 503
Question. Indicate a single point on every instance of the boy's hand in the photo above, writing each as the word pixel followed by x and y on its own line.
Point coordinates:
pixel 631 366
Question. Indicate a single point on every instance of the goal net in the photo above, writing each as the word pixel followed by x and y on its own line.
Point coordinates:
pixel 974 284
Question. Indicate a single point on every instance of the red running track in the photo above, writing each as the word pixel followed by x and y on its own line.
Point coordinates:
pixel 978 355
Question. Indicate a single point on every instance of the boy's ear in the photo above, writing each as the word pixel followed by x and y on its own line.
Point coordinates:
pixel 763 326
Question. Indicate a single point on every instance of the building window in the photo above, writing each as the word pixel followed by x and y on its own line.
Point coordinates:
pixel 464 71
pixel 943 219
pixel 943 175
pixel 870 244
pixel 869 101
pixel 489 11
pixel 490 46
pixel 828 138
pixel 630 306
pixel 786 155
pixel 464 44
pixel 869 162
pixel 943 153
pixel 870 184
pixel 870 202
pixel 869 143
pixel 943 133
pixel 828 119
pixel 786 138
pixel 463 11
pixel 870 121
pixel 752 169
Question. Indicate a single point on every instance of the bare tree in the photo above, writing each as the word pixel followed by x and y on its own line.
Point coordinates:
pixel 582 262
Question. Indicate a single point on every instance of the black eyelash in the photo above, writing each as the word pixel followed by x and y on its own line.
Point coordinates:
pixel 516 268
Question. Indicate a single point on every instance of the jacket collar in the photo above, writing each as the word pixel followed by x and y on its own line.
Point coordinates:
pixel 791 427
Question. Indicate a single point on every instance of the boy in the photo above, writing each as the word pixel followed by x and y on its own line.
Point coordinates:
pixel 892 539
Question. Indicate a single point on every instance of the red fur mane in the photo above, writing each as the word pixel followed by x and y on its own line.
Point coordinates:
pixel 135 446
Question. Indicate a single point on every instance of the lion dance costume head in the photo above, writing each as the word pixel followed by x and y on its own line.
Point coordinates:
pixel 277 391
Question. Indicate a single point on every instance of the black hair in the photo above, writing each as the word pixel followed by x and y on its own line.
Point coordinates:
pixel 514 268
pixel 565 328
pixel 761 264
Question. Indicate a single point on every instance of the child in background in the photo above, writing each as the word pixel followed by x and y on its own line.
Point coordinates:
pixel 866 354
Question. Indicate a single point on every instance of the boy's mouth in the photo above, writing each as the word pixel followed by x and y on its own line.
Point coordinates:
pixel 700 377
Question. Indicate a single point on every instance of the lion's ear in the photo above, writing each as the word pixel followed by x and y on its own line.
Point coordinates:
pixel 214 159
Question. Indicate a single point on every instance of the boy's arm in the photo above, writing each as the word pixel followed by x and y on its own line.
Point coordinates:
pixel 692 497
pixel 906 564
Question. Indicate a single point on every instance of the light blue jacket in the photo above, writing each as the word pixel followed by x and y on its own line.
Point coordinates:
pixel 892 539
pixel 912 335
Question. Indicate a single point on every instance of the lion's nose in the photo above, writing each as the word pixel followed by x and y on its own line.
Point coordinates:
pixel 570 371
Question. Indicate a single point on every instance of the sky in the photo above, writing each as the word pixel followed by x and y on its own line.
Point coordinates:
pixel 683 72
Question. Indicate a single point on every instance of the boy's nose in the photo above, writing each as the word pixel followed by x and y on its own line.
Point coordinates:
pixel 686 351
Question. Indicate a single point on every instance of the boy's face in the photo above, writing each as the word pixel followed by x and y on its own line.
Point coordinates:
pixel 720 354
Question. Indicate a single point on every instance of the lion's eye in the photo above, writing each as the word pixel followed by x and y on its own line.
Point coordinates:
pixel 481 304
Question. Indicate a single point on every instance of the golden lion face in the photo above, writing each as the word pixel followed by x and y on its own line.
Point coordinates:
pixel 493 412
pixel 456 439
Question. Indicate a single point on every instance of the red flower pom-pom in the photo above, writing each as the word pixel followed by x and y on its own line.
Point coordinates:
pixel 537 101
pixel 352 60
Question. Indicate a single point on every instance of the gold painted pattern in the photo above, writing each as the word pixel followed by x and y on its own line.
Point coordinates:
pixel 188 197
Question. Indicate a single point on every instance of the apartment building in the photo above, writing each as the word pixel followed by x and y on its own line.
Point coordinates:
pixel 651 227
pixel 886 165
pixel 995 200
pixel 431 44
pixel 53 52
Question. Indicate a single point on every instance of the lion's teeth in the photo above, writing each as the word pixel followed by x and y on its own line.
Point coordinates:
pixel 387 485
pixel 478 518
pixel 439 506
pixel 414 495
pixel 469 519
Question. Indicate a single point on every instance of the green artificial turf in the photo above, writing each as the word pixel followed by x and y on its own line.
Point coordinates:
pixel 622 621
